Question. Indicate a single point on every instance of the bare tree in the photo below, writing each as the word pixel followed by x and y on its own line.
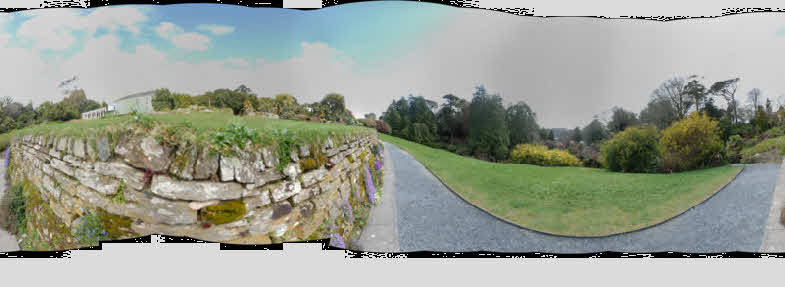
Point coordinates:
pixel 755 98
pixel 5 101
pixel 675 90
pixel 727 90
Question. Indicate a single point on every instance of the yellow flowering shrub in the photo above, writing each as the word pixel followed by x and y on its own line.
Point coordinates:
pixel 691 143
pixel 541 155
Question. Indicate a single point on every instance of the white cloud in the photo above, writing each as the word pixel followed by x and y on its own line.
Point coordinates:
pixel 168 30
pixel 180 39
pixel 4 37
pixel 191 41
pixel 53 29
pixel 217 30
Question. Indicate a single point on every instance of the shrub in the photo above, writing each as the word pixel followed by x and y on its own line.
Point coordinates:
pixel 383 127
pixel 17 220
pixel 733 148
pixel 691 143
pixel 632 150
pixel 541 155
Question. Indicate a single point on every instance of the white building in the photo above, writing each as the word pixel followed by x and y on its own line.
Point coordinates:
pixel 98 113
pixel 141 102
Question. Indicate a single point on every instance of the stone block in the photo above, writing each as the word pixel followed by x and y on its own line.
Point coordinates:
pixel 134 178
pixel 284 190
pixel 145 153
pixel 167 187
pixel 184 162
pixel 206 164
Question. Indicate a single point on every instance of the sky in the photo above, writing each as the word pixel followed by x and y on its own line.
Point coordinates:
pixel 567 69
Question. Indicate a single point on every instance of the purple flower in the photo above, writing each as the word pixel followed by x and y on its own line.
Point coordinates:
pixel 337 241
pixel 369 188
pixel 357 192
pixel 347 209
pixel 8 148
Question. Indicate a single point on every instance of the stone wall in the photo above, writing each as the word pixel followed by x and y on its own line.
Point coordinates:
pixel 142 187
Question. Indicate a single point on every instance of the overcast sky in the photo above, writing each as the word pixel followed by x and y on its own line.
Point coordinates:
pixel 566 69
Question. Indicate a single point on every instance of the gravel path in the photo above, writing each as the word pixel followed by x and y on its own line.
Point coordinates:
pixel 431 218
pixel 7 241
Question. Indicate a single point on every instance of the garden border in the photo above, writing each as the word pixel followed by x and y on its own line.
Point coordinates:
pixel 562 235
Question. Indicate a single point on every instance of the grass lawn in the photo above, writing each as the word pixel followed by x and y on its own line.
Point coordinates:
pixel 573 201
pixel 204 123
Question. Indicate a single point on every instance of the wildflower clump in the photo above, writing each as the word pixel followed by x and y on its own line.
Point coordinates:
pixel 370 189
pixel 336 240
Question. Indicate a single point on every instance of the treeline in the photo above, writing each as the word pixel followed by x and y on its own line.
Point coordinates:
pixel 482 127
pixel 15 115
pixel 242 101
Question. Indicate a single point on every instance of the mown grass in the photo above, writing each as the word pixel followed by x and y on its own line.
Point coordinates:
pixel 203 124
pixel 573 201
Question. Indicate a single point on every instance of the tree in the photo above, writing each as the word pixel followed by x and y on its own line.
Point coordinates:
pixel 727 90
pixel 450 119
pixel 13 110
pixel 696 92
pixel 675 90
pixel 594 132
pixel 658 112
pixel 487 126
pixel 621 119
pixel 576 135
pixel 334 107
pixel 285 105
pixel 370 116
pixel 162 100
pixel 522 123
pixel 754 98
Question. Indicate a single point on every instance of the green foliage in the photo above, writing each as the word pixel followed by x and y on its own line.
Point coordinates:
pixel 541 155
pixel 91 230
pixel 594 132
pixel 733 148
pixel 17 208
pixel 522 122
pixel 286 143
pixel 488 132
pixel 691 143
pixel 621 119
pixel 761 120
pixel 771 144
pixel 119 197
pixel 236 135
pixel 163 100
pixel 658 112
pixel 334 107
pixel 142 120
pixel 224 212
pixel 635 149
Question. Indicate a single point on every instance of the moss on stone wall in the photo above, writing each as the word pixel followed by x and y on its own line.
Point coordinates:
pixel 224 212
pixel 118 227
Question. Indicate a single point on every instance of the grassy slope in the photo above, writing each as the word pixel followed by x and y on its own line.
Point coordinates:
pixel 777 144
pixel 205 123
pixel 570 200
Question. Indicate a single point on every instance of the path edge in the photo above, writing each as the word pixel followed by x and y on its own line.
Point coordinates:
pixel 744 167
